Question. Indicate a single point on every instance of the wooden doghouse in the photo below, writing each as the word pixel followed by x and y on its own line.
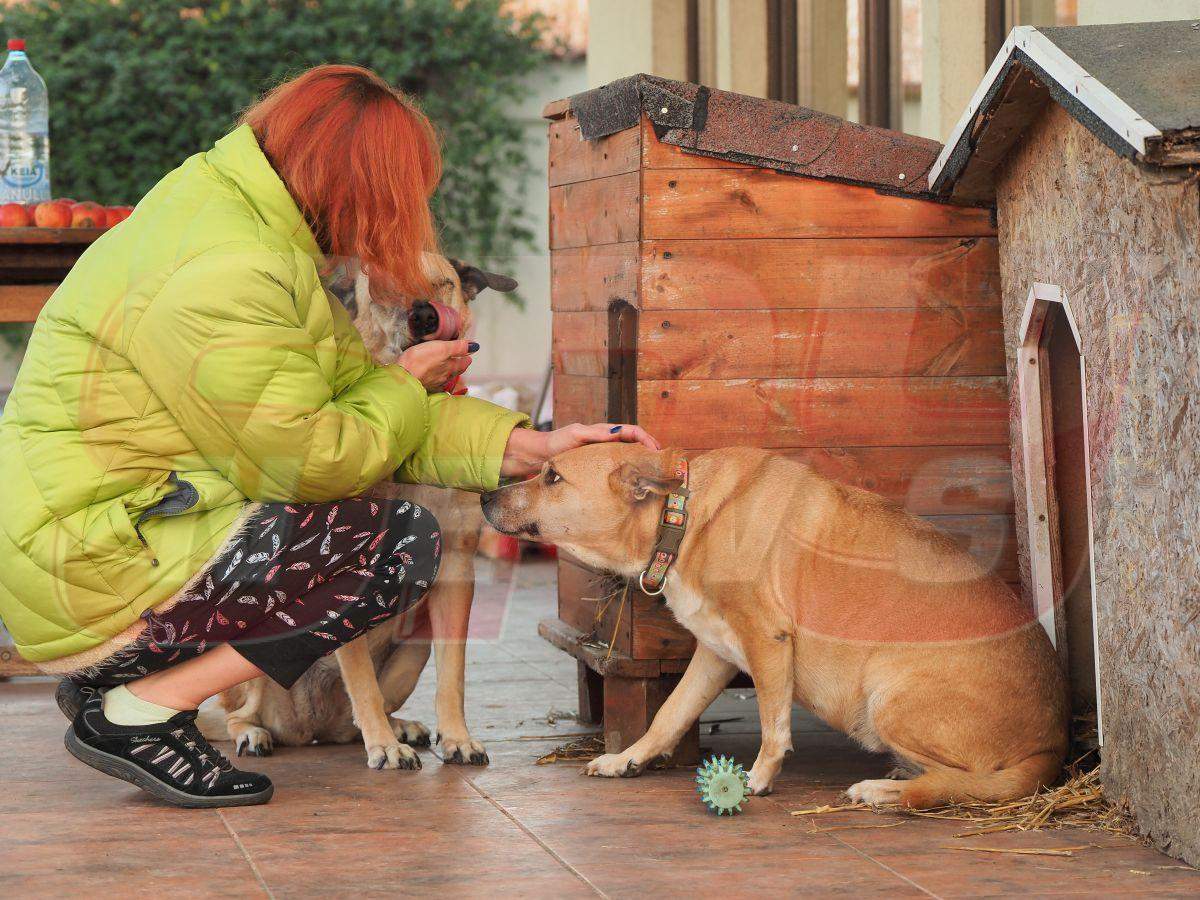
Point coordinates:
pixel 1087 140
pixel 734 271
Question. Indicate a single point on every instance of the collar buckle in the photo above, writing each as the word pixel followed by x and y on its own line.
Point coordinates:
pixel 672 527
pixel 650 592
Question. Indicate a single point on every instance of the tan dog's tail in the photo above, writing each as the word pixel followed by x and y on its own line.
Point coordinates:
pixel 941 786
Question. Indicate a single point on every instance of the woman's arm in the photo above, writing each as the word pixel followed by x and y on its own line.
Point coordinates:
pixel 510 450
pixel 528 450
pixel 223 345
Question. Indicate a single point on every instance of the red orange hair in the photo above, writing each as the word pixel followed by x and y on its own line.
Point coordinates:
pixel 361 161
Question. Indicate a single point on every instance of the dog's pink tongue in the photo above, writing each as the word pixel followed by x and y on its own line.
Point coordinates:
pixel 449 322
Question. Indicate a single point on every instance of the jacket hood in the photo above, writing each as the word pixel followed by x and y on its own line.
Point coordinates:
pixel 238 159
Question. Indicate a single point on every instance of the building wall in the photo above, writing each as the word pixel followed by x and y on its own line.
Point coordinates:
pixel 733 45
pixel 629 36
pixel 1125 248
pixel 626 37
pixel 954 62
pixel 515 343
pixel 1098 12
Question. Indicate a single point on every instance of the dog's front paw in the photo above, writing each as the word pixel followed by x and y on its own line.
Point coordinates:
pixel 876 792
pixel 615 765
pixel 464 752
pixel 409 732
pixel 392 756
pixel 758 783
pixel 255 740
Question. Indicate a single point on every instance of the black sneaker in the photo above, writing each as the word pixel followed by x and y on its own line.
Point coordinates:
pixel 71 695
pixel 172 761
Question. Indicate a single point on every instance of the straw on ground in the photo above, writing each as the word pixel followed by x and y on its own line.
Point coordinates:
pixel 1080 801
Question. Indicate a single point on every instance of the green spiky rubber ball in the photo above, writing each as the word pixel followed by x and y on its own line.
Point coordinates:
pixel 723 785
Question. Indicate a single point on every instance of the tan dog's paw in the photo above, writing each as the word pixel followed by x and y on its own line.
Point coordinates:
pixel 409 732
pixel 255 740
pixel 392 756
pixel 759 785
pixel 876 792
pixel 615 765
pixel 465 752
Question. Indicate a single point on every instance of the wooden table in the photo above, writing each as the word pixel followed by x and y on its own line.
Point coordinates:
pixel 33 263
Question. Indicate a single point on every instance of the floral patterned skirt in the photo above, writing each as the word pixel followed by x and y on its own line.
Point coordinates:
pixel 295 583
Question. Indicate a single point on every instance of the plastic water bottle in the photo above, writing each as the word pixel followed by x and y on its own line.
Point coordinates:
pixel 24 130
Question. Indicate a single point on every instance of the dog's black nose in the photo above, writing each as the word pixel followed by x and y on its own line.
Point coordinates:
pixel 423 319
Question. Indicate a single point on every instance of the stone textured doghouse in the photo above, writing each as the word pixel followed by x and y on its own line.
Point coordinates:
pixel 728 270
pixel 1087 142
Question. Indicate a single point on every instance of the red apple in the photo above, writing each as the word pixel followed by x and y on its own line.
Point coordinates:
pixel 52 214
pixel 87 215
pixel 14 215
pixel 116 214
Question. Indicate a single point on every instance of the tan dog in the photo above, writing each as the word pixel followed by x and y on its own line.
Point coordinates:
pixel 380 669
pixel 825 595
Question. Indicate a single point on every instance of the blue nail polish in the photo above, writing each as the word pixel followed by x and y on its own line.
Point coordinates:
pixel 472 347
pixel 614 429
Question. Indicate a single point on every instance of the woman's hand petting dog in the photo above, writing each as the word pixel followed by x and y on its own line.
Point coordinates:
pixel 569 437
pixel 434 363
pixel 528 450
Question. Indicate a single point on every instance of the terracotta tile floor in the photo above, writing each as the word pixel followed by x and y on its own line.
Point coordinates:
pixel 513 828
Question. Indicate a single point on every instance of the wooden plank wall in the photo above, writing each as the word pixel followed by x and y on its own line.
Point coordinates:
pixel 595 261
pixel 857 331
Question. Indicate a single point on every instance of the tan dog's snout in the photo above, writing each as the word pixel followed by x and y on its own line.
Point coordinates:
pixel 508 510
pixel 599 503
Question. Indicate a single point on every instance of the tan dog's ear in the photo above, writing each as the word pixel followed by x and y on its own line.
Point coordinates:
pixel 652 475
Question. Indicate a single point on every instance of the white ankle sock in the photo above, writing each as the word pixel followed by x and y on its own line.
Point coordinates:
pixel 123 707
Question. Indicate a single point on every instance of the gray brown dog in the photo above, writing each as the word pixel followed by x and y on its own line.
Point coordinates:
pixel 355 691
pixel 826 595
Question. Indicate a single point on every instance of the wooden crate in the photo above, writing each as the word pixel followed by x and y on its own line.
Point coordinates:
pixel 717 303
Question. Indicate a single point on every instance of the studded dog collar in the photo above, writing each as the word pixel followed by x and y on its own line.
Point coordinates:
pixel 671 528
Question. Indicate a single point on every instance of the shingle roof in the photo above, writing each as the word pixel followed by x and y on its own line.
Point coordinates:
pixel 764 133
pixel 1135 86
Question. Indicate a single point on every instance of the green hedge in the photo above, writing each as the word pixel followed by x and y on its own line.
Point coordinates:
pixel 138 85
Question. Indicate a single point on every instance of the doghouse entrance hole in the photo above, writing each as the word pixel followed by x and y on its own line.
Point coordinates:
pixel 1066 488
pixel 1054 426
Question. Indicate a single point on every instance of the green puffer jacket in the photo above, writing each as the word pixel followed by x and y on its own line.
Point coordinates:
pixel 190 362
